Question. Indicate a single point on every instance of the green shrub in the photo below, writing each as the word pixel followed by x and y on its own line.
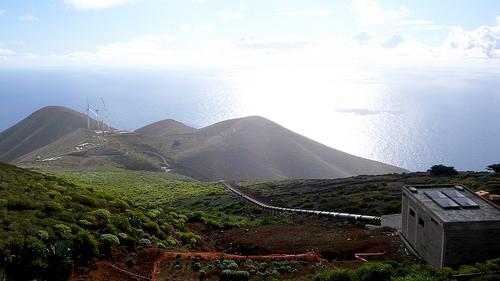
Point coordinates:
pixel 374 271
pixel 234 275
pixel 85 248
pixel 441 170
pixel 130 261
pixel 43 235
pixel 84 223
pixel 63 231
pixel 415 278
pixel 465 269
pixel 110 239
pixel 494 167
pixel 151 227
pixel 203 274
pixel 196 266
pixel 21 203
pixel 103 216
pixel 493 265
pixel 335 275
pixel 189 238
pixel 228 264
pixel 53 206
pixel 487 277
pixel 28 260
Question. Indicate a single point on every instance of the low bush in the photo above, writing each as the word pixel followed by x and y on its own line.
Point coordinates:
pixel 234 275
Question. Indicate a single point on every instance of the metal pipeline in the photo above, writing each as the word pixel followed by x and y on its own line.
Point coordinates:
pixel 341 216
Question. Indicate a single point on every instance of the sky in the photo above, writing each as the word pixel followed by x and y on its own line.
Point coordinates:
pixel 201 33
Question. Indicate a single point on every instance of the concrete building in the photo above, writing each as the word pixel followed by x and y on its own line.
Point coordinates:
pixel 450 225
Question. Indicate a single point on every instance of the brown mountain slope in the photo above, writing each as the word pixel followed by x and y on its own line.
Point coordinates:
pixel 165 127
pixel 39 129
pixel 256 148
pixel 239 149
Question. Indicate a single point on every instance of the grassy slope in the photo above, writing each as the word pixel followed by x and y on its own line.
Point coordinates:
pixel 149 187
pixel 375 195
pixel 32 201
pixel 114 152
pixel 43 211
pixel 63 145
pixel 39 129
pixel 168 190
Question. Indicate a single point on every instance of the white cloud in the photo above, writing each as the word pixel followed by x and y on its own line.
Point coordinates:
pixel 364 49
pixel 85 5
pixel 305 13
pixel 393 41
pixel 484 42
pixel 6 52
pixel 28 18
pixel 278 43
pixel 146 50
pixel 2 12
pixel 229 15
pixel 196 28
pixel 414 22
pixel 370 12
pixel 424 25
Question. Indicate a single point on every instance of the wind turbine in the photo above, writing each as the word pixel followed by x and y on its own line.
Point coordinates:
pixel 95 112
pixel 104 117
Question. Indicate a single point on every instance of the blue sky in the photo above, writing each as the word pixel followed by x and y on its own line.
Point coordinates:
pixel 69 33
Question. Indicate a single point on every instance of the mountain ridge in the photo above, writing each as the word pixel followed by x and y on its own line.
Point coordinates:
pixel 257 148
pixel 247 148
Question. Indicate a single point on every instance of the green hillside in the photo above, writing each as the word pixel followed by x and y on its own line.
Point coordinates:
pixel 371 195
pixel 49 225
pixel 168 190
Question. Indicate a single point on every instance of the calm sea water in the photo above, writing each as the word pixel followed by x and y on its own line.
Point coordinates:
pixel 412 119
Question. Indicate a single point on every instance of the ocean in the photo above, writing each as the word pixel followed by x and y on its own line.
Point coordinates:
pixel 409 118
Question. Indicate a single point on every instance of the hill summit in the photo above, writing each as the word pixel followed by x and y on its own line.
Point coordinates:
pixel 41 128
pixel 256 148
pixel 165 127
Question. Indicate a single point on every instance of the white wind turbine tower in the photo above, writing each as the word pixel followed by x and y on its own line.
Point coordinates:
pixel 93 111
pixel 104 116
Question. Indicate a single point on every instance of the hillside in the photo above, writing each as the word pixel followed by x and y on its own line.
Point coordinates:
pixel 257 148
pixel 165 127
pixel 39 129
pixel 373 195
pixel 251 148
pixel 50 224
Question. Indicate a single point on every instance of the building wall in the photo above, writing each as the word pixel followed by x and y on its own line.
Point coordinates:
pixel 423 231
pixel 469 242
pixel 404 215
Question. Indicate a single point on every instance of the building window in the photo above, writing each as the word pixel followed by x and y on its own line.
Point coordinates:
pixel 412 212
pixel 421 221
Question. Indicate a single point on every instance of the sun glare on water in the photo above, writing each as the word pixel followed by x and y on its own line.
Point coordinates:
pixel 326 104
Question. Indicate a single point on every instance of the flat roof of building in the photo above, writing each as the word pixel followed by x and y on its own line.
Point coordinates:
pixel 453 203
